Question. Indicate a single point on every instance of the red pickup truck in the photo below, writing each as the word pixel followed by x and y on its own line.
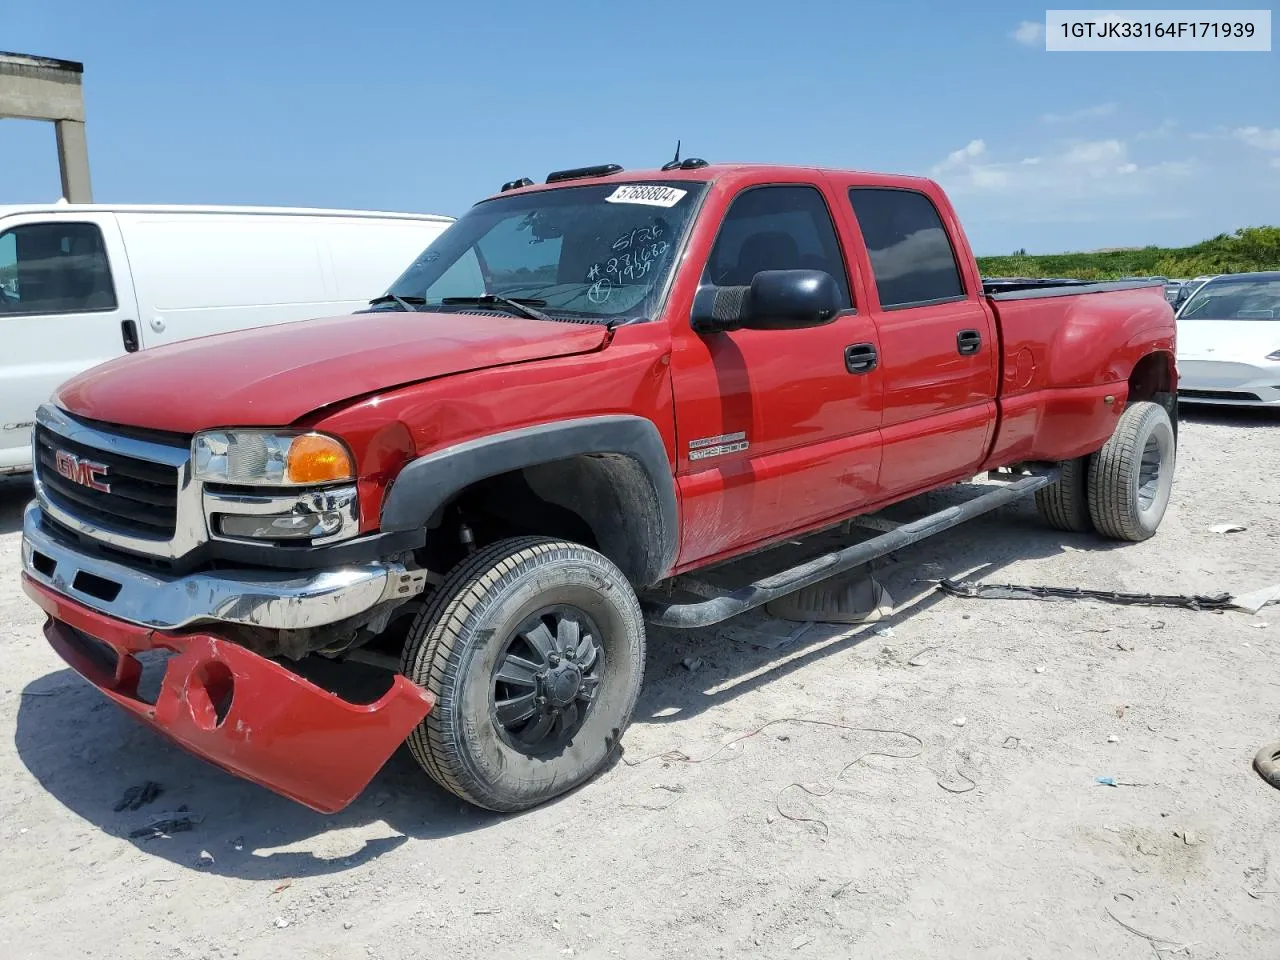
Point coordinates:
pixel 489 480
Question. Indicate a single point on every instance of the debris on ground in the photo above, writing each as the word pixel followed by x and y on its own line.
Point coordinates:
pixel 1227 528
pixel 855 598
pixel 169 822
pixel 916 660
pixel 1255 600
pixel 281 923
pixel 959 722
pixel 1010 591
pixel 205 859
pixel 1267 763
pixel 1189 837
pixel 971 783
pixel 139 795
pixel 801 941
pixel 280 888
pixel 692 664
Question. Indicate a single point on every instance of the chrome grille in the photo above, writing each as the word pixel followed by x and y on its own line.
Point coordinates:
pixel 142 498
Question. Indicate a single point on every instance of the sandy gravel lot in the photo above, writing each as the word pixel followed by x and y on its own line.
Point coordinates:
pixel 773 845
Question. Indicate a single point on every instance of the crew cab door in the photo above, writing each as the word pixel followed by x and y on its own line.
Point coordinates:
pixel 937 338
pixel 66 304
pixel 777 430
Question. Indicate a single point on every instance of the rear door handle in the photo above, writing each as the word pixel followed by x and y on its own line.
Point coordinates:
pixel 860 358
pixel 129 334
pixel 968 342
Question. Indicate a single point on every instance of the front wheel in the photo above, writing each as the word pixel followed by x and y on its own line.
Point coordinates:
pixel 1131 477
pixel 534 649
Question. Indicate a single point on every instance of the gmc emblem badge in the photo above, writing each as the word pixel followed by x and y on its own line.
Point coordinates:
pixel 84 472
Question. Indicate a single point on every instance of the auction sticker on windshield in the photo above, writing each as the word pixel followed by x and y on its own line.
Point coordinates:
pixel 649 195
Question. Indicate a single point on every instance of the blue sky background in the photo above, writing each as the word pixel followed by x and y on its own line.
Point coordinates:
pixel 430 106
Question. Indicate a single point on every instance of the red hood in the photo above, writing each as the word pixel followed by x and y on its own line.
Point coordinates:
pixel 271 376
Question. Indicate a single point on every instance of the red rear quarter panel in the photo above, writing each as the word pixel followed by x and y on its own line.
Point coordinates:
pixel 1061 358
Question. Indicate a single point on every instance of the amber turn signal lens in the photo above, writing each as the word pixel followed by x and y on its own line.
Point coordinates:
pixel 318 459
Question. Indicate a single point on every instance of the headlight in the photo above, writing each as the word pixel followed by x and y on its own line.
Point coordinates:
pixel 271 459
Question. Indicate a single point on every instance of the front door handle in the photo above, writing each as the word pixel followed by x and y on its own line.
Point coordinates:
pixel 968 342
pixel 860 358
pixel 129 334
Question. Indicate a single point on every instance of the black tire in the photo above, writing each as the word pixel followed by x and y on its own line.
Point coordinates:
pixel 1065 505
pixel 1131 477
pixel 460 648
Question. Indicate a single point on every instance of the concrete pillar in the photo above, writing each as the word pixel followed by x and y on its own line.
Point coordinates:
pixel 40 88
pixel 73 161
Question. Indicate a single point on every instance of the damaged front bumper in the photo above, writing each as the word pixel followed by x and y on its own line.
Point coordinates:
pixel 268 599
pixel 246 714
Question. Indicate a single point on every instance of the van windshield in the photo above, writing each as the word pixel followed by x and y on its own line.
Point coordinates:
pixel 592 252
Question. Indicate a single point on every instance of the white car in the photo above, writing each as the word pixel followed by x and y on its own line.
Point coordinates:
pixel 1229 341
pixel 83 283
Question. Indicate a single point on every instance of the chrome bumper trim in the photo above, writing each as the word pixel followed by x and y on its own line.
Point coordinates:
pixel 277 600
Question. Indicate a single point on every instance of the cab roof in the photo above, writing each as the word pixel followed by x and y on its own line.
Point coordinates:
pixel 738 173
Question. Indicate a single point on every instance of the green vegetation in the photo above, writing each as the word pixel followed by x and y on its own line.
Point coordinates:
pixel 1246 250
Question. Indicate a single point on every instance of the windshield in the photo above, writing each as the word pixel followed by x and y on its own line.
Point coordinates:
pixel 592 252
pixel 1235 299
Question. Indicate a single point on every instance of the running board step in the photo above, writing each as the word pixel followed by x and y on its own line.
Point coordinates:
pixel 715 609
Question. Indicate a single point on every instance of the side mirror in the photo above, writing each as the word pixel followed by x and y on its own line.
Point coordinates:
pixel 776 300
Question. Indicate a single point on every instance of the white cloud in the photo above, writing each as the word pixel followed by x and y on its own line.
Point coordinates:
pixel 1030 33
pixel 1084 113
pixel 1091 154
pixel 1164 131
pixel 1085 170
pixel 1257 137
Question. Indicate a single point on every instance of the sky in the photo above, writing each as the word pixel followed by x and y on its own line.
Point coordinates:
pixel 432 106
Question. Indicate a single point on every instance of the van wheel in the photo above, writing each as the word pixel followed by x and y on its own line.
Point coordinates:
pixel 534 649
pixel 1131 477
pixel 1065 505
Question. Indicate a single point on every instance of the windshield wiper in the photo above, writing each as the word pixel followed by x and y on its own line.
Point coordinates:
pixel 408 304
pixel 521 305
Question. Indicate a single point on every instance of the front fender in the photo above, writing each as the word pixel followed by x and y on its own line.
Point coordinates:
pixel 429 482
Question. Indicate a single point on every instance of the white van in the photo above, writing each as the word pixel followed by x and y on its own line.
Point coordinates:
pixel 82 283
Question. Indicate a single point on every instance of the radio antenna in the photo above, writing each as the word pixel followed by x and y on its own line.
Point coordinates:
pixel 677 159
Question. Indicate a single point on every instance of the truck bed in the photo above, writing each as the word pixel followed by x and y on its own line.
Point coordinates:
pixel 1024 288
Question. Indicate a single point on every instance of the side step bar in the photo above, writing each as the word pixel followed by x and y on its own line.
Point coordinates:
pixel 706 612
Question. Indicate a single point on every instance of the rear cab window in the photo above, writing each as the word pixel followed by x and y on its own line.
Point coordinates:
pixel 54 268
pixel 912 259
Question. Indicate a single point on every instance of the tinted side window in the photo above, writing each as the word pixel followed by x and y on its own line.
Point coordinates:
pixel 54 268
pixel 776 228
pixel 911 254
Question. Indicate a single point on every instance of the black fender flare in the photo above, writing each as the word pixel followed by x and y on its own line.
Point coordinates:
pixel 426 484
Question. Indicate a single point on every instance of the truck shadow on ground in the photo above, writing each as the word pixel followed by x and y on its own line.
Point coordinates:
pixel 86 753
pixel 729 663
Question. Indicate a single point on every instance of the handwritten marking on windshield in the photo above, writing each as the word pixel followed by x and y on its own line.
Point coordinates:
pixel 638 235
pixel 600 291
